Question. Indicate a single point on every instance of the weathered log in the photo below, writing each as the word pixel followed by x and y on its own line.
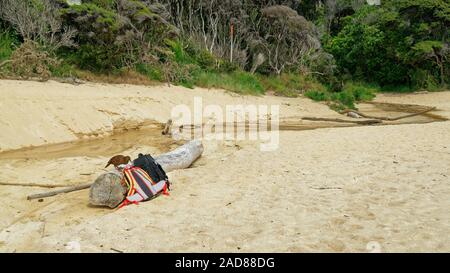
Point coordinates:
pixel 107 190
pixel 182 157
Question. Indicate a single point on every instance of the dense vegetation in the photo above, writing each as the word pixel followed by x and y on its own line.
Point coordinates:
pixel 333 50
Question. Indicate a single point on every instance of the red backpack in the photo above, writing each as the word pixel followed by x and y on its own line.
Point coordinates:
pixel 141 187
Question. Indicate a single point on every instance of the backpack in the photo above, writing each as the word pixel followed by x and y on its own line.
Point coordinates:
pixel 148 164
pixel 145 180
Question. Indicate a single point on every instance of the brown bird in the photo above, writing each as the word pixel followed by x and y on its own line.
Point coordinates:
pixel 118 160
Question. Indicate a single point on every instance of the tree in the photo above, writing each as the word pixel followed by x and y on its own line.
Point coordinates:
pixel 117 34
pixel 435 51
pixel 38 21
pixel 397 43
pixel 285 37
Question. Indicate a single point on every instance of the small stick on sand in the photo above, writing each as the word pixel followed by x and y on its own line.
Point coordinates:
pixel 363 122
pixel 167 127
pixel 32 185
pixel 52 193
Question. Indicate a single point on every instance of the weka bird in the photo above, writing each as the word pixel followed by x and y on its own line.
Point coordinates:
pixel 118 160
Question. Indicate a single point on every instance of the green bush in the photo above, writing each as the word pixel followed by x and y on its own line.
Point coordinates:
pixel 182 74
pixel 8 43
pixel 63 70
pixel 97 28
pixel 238 81
pixel 353 93
pixel 226 66
pixel 96 58
pixel 108 4
pixel 317 95
pixel 359 91
pixel 344 98
pixel 179 55
pixel 397 44
pixel 153 72
pixel 290 85
pixel 347 98
pixel 397 89
pixel 31 60
pixel 185 52
pixel 205 59
pixel 112 35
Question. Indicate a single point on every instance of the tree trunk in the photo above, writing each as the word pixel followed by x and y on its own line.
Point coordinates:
pixel 182 157
pixel 440 65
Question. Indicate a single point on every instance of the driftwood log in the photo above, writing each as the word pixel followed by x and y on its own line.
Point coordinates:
pixel 428 109
pixel 107 190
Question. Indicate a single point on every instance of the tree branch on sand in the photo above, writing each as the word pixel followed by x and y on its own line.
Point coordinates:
pixel 53 193
pixel 369 119
pixel 429 109
pixel 32 185
pixel 362 122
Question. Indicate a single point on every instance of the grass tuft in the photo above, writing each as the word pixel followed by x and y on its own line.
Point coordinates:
pixel 237 81
pixel 351 94
pixel 8 43
pixel 290 85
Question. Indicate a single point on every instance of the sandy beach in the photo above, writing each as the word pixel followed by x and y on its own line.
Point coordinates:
pixel 332 189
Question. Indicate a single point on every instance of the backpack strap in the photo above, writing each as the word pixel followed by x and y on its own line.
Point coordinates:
pixel 129 180
pixel 126 202
pixel 166 189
